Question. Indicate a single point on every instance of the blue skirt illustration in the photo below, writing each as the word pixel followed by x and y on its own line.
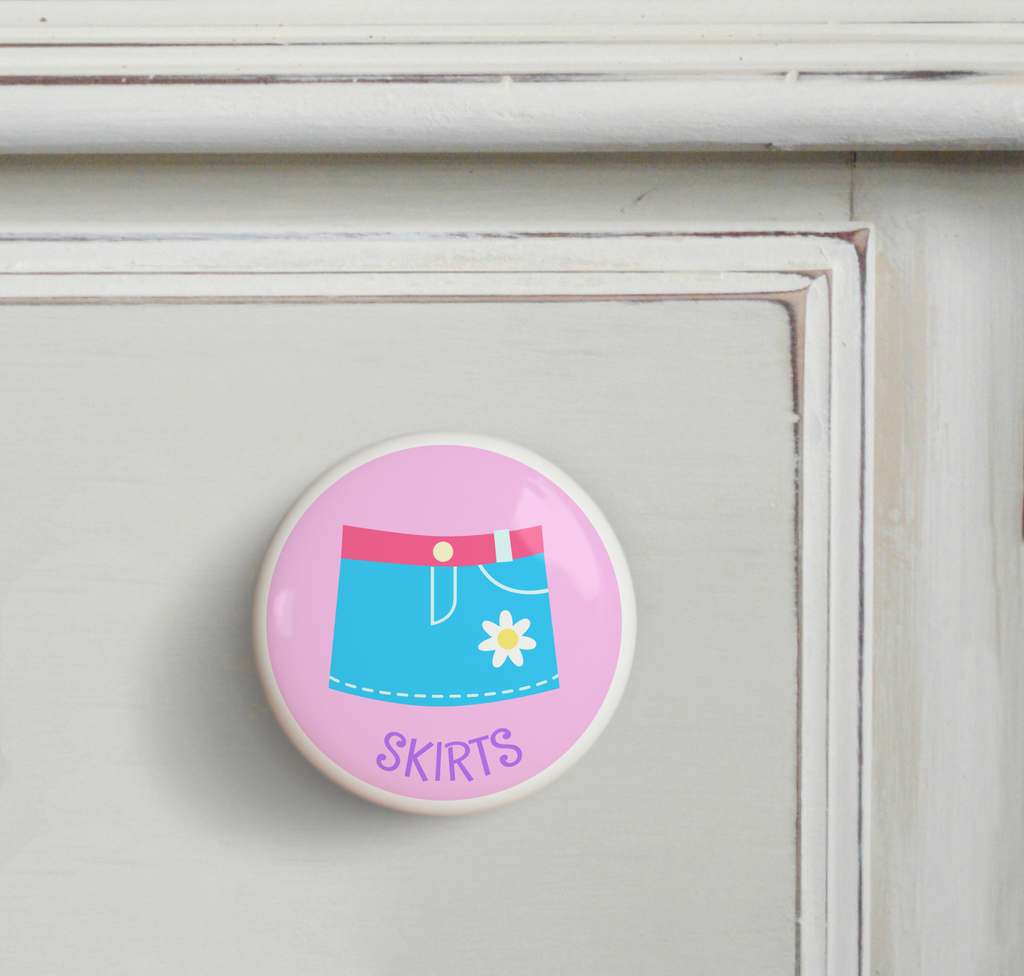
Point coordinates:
pixel 443 621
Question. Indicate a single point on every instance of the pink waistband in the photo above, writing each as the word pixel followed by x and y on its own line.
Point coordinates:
pixel 372 545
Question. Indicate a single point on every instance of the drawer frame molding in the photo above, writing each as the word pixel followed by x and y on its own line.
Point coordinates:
pixel 822 276
pixel 101 76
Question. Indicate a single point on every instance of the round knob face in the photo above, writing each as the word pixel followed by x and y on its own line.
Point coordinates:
pixel 444 623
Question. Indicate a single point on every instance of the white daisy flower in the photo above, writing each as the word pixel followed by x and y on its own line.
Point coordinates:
pixel 506 639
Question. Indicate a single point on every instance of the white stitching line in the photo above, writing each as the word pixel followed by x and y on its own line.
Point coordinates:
pixel 475 694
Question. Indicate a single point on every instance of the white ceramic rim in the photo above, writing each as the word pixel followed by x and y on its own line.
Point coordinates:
pixel 572 755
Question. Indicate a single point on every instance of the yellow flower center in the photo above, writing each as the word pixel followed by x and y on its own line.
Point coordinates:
pixel 508 638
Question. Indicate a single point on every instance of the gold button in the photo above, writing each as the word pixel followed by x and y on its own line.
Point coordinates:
pixel 443 551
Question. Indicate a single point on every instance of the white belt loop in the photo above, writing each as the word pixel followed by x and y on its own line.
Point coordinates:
pixel 502 546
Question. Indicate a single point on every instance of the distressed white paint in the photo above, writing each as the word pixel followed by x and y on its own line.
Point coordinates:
pixel 949 674
pixel 307 76
pixel 947 892
pixel 691 349
pixel 293 195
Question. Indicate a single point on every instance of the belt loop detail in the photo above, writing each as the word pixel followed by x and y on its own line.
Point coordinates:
pixel 502 546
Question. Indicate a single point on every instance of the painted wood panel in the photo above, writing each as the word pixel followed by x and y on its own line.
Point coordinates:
pixel 949 708
pixel 115 402
pixel 947 890
pixel 157 818
pixel 460 76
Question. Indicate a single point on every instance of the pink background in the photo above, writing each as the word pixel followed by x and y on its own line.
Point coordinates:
pixel 444 490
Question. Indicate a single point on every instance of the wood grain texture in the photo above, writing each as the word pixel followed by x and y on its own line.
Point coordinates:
pixel 949 680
